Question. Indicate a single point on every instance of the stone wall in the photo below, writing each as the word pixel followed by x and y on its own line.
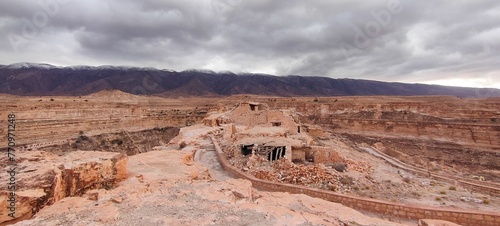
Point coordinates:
pixel 464 217
pixel 264 117
pixel 326 155
pixel 298 154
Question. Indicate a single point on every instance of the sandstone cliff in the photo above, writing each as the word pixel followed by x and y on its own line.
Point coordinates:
pixel 44 178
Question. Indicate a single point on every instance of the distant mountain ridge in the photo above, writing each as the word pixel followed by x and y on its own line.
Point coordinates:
pixel 44 79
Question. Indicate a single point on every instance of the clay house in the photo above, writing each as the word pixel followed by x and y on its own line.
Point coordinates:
pixel 257 114
pixel 270 148
pixel 255 129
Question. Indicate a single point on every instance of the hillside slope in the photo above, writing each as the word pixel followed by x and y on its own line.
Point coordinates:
pixel 42 79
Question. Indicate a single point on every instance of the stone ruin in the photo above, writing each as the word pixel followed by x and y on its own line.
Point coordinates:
pixel 254 129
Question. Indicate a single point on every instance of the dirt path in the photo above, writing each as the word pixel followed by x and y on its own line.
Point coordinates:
pixel 208 158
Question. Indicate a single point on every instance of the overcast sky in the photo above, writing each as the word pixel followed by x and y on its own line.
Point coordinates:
pixel 448 42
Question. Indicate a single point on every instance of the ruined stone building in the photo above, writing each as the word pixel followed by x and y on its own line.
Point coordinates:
pixel 255 129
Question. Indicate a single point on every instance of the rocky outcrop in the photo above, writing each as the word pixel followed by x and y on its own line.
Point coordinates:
pixel 162 191
pixel 129 142
pixel 44 178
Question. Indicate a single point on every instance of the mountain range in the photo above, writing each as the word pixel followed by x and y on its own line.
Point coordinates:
pixel 44 79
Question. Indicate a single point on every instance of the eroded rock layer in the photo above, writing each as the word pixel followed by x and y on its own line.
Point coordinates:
pixel 463 134
pixel 43 178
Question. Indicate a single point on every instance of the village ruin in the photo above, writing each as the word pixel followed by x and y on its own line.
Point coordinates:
pixel 370 155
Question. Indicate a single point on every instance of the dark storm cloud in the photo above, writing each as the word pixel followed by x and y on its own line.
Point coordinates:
pixel 390 40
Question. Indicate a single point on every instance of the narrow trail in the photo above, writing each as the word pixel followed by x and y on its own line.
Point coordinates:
pixel 208 158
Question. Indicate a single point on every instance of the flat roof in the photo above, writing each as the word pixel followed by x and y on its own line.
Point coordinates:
pixel 269 141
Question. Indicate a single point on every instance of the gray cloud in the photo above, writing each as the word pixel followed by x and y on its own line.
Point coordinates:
pixel 443 41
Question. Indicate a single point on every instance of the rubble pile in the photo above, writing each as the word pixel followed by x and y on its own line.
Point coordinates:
pixel 287 172
pixel 328 156
pixel 360 166
pixel 265 175
pixel 230 152
pixel 253 163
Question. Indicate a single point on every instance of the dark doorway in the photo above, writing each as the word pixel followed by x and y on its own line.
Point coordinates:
pixel 276 153
pixel 310 156
pixel 246 149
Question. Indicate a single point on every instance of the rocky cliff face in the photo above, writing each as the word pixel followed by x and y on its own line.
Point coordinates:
pixel 44 178
pixel 54 119
pixel 462 133
pixel 468 122
pixel 481 130
pixel 130 143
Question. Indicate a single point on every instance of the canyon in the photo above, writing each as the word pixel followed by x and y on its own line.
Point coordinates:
pixel 441 136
